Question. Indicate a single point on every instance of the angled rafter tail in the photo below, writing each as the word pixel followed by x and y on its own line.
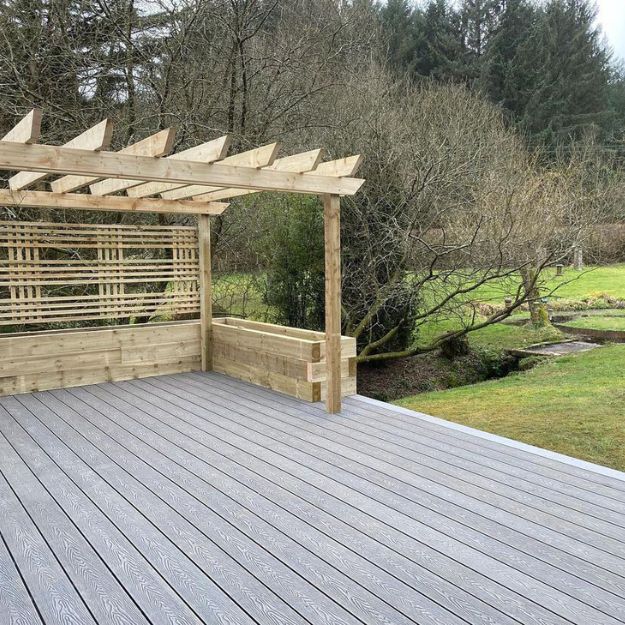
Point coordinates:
pixel 112 185
pixel 27 130
pixel 297 163
pixel 256 158
pixel 208 152
pixel 341 167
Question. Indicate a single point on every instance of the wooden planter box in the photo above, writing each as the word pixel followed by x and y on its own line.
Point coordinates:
pixel 288 360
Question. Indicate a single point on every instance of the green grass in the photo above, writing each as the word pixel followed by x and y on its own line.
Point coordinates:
pixel 593 281
pixel 499 336
pixel 599 323
pixel 502 336
pixel 573 405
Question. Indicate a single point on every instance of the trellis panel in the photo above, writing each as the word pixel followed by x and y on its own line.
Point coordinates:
pixel 56 273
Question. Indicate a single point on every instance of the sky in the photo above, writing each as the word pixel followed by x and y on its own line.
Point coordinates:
pixel 612 20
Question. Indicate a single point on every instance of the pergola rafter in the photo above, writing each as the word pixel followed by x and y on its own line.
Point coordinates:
pixel 341 168
pixel 27 130
pixel 297 163
pixel 208 152
pixel 257 158
pixel 189 182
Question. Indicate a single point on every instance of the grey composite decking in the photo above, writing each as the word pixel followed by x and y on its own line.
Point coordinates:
pixel 196 498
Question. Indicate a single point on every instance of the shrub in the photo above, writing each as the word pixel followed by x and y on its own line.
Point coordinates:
pixel 293 249
pixel 455 346
pixel 525 364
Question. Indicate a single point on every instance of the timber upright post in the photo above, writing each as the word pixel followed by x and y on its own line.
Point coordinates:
pixel 332 238
pixel 206 291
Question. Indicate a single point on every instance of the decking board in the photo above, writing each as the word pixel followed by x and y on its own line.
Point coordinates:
pixel 186 499
pixel 205 603
pixel 384 494
pixel 546 502
pixel 528 531
pixel 197 498
pixel 16 604
pixel 57 599
pixel 105 597
pixel 239 456
pixel 158 602
pixel 366 605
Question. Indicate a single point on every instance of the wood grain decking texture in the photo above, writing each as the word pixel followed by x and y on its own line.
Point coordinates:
pixel 199 499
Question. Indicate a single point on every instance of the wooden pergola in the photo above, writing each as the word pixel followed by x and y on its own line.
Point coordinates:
pixel 146 177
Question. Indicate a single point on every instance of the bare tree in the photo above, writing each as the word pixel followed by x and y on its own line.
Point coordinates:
pixel 453 209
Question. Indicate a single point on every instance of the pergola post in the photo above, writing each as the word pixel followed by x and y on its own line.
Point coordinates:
pixel 206 291
pixel 332 232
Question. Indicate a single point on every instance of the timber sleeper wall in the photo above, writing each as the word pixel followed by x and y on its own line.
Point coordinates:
pixel 288 360
pixel 38 361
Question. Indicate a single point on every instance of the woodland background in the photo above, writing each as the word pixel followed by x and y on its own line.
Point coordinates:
pixel 492 131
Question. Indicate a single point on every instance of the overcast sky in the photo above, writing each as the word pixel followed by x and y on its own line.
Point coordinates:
pixel 612 19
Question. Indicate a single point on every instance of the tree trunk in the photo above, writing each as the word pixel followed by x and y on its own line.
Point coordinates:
pixel 538 312
pixel 578 258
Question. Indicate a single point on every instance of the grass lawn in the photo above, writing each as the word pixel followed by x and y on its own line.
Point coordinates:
pixel 599 322
pixel 499 336
pixel 574 405
pixel 591 282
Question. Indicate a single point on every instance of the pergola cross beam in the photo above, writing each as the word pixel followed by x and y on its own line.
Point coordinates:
pixel 256 158
pixel 297 163
pixel 155 145
pixel 84 201
pixel 205 153
pixel 61 160
pixel 96 138
pixel 208 152
pixel 305 162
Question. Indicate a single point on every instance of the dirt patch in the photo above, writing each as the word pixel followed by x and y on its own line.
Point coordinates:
pixel 430 372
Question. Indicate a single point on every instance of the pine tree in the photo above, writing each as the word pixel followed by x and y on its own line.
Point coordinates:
pixel 438 51
pixel 398 24
pixel 478 22
pixel 508 72
pixel 615 131
pixel 571 75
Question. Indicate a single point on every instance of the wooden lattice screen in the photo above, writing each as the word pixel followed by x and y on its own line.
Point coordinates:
pixel 54 273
